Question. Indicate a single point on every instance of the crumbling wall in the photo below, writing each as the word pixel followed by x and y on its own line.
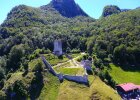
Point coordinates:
pixel 48 66
pixel 87 65
pixel 77 79
pixel 61 77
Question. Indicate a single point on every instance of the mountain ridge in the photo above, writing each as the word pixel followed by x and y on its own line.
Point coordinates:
pixel 113 9
pixel 67 8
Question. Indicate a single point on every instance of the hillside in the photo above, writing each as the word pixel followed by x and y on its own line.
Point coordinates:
pixel 118 37
pixel 49 87
pixel 29 32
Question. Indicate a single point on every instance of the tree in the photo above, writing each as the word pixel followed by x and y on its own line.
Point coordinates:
pixel 109 10
pixel 2 73
pixel 20 90
pixel 2 96
pixel 17 91
pixel 15 55
pixel 38 67
pixel 119 54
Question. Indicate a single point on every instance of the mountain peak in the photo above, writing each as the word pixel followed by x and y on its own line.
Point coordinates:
pixel 110 9
pixel 63 0
pixel 67 8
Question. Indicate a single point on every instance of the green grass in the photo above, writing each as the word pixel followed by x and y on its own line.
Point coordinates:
pixel 121 76
pixel 91 79
pixel 70 71
pixel 13 78
pixel 54 90
pixel 51 87
pixel 54 60
pixel 18 76
pixel 67 90
pixel 72 91
pixel 100 91
pixel 70 67
pixel 33 62
pixel 49 90
pixel 75 55
pixel 66 64
pixel 97 91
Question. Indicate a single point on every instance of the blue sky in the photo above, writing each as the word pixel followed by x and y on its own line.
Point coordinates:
pixel 93 8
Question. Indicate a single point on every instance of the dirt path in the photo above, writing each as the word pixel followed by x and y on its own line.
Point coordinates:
pixel 72 62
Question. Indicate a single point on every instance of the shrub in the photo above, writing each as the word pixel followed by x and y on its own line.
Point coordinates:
pixel 75 51
pixel 105 76
pixel 25 64
pixel 101 75
pixel 1 83
pixel 17 91
pixel 20 89
pixel 60 57
pixel 46 51
pixel 8 75
pixel 36 86
pixel 85 56
pixel 98 63
pixel 15 55
pixel 2 96
pixel 38 67
pixel 2 73
pixel 79 58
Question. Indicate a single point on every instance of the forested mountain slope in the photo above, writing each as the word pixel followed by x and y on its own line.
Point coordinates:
pixel 118 37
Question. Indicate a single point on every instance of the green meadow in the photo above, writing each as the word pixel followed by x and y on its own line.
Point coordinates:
pixel 122 76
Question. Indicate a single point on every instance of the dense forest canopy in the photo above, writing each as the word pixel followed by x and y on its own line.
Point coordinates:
pixel 115 36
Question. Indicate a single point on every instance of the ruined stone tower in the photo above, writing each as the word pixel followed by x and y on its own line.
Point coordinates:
pixel 58 48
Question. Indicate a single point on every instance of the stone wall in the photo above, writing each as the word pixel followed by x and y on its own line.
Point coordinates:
pixel 87 65
pixel 61 77
pixel 77 79
pixel 48 66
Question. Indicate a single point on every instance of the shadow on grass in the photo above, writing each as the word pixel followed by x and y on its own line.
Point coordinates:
pixel 25 73
pixel 127 67
pixel 36 86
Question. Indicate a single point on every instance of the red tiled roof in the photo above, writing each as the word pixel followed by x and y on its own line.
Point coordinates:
pixel 128 86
